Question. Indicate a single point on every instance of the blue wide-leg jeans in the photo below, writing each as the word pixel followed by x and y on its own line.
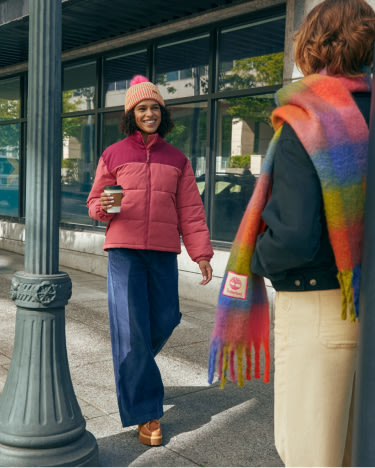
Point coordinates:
pixel 143 312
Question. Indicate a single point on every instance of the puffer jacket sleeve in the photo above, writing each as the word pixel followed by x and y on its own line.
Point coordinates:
pixel 102 178
pixel 191 217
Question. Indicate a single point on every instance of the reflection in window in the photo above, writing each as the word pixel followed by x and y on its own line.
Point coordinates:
pixel 77 168
pixel 244 132
pixel 182 68
pixel 111 129
pixel 118 72
pixel 10 99
pixel 252 55
pixel 190 134
pixel 9 169
pixel 79 87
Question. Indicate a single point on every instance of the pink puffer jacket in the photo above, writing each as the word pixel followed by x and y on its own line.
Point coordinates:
pixel 161 199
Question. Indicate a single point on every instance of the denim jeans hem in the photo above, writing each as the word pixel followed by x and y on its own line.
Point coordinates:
pixel 142 419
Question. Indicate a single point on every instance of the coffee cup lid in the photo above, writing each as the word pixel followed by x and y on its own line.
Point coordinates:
pixel 113 187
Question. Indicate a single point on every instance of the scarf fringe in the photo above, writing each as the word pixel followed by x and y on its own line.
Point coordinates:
pixel 241 327
pixel 345 279
pixel 227 364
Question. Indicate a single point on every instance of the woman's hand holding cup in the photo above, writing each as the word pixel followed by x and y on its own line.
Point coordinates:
pixel 110 199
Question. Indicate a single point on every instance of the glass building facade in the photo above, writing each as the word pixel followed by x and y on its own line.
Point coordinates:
pixel 219 85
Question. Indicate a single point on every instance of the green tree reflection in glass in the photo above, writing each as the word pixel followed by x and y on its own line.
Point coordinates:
pixel 266 70
pixel 9 110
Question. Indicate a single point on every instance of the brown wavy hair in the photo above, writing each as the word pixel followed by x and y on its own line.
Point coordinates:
pixel 337 35
pixel 128 126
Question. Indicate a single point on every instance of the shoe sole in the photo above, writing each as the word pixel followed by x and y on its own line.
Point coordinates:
pixel 150 440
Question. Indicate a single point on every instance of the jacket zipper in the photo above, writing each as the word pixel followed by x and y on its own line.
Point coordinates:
pixel 148 196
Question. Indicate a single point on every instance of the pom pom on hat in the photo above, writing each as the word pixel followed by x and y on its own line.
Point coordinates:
pixel 141 89
pixel 138 79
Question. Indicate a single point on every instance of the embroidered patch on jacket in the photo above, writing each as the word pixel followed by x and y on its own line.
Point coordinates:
pixel 235 285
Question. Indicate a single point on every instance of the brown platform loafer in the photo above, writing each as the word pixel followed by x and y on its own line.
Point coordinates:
pixel 150 433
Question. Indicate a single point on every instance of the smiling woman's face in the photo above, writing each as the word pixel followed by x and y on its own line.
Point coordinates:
pixel 147 117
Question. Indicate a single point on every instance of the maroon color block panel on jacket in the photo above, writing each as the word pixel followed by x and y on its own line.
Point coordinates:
pixel 161 199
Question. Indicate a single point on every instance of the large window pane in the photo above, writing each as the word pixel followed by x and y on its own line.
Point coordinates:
pixel 111 129
pixel 190 134
pixel 252 55
pixel 77 168
pixel 118 72
pixel 10 99
pixel 9 169
pixel 182 68
pixel 79 91
pixel 244 131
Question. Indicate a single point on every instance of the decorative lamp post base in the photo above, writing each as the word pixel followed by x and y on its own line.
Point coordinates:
pixel 81 452
pixel 41 423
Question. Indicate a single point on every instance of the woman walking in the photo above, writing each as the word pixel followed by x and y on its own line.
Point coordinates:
pixel 160 203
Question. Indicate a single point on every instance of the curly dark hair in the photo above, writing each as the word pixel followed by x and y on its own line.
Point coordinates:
pixel 128 126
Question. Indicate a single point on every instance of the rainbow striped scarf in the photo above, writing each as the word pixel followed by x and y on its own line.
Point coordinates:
pixel 334 133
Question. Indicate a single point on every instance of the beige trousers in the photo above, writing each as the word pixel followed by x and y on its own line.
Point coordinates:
pixel 315 354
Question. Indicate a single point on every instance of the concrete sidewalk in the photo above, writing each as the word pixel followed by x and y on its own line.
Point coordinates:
pixel 202 425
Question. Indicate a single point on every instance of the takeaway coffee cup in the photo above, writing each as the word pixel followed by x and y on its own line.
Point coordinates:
pixel 116 192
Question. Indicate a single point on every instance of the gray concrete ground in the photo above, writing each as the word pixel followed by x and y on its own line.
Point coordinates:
pixel 202 426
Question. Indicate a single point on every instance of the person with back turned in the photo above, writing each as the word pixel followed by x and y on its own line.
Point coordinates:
pixel 303 230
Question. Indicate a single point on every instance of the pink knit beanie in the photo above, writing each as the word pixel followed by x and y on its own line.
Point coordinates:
pixel 140 89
